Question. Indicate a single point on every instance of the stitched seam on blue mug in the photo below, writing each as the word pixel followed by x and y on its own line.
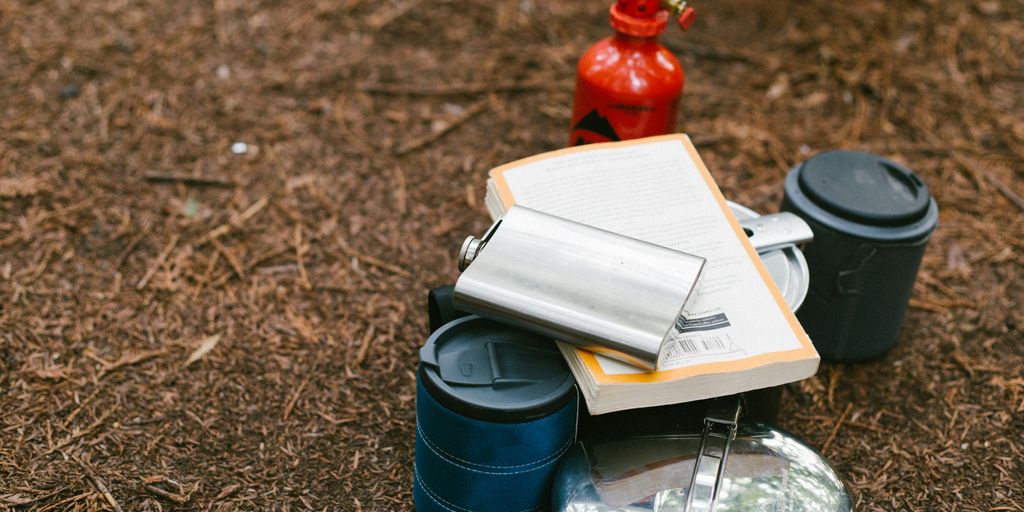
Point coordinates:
pixel 447 505
pixel 430 494
pixel 448 458
pixel 437 448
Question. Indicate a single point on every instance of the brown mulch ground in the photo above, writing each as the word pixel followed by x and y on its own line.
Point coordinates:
pixel 248 339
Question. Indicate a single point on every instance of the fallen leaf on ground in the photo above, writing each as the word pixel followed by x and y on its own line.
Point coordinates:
pixel 204 348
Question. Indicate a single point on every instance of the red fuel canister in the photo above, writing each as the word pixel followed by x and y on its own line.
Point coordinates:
pixel 628 85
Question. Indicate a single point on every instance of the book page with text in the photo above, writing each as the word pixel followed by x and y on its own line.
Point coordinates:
pixel 655 192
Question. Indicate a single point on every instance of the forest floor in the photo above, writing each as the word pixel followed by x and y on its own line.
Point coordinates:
pixel 191 323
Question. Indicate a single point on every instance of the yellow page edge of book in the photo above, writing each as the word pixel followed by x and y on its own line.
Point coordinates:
pixel 590 361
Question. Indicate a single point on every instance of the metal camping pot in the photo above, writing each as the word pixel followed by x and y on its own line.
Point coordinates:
pixel 784 261
pixel 730 466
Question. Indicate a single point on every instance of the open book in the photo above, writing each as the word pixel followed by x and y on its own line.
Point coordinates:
pixel 735 334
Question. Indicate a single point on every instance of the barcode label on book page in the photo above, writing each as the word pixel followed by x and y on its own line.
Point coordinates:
pixel 686 349
pixel 700 345
pixel 697 337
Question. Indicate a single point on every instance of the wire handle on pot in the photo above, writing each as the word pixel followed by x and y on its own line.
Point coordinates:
pixel 719 431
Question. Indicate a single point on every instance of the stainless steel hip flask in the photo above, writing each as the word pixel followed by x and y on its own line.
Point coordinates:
pixel 605 292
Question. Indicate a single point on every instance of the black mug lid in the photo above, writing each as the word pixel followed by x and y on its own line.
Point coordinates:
pixel 494 372
pixel 863 195
pixel 865 188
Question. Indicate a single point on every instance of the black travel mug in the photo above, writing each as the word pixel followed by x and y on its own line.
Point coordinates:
pixel 872 219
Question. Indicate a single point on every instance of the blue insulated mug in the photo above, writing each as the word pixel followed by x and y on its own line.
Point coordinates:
pixel 496 409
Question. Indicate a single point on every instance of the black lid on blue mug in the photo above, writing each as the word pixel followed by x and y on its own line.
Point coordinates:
pixel 494 372
pixel 863 195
